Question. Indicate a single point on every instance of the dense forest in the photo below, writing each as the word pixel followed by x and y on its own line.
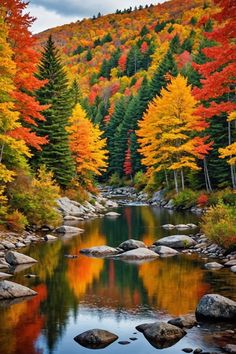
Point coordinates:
pixel 143 96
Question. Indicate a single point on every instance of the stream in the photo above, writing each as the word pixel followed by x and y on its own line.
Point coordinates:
pixel 75 295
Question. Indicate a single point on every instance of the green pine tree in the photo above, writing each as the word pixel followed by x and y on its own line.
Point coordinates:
pixel 56 154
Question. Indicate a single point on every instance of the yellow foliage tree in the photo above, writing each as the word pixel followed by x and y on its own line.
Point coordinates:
pixel 87 145
pixel 230 150
pixel 165 131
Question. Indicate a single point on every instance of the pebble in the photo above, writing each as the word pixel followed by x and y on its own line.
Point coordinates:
pixel 124 342
pixel 198 351
pixel 133 338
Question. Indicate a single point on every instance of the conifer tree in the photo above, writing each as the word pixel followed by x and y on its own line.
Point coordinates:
pixel 56 154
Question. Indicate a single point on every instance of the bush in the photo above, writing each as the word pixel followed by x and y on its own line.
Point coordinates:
pixel 16 221
pixel 140 180
pixel 219 224
pixel 76 192
pixel 36 198
pixel 115 180
pixel 202 200
pixel 228 196
pixel 185 199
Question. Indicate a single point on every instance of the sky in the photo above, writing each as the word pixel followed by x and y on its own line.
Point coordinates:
pixel 51 13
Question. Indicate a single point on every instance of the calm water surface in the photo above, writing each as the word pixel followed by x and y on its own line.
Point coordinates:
pixel 75 295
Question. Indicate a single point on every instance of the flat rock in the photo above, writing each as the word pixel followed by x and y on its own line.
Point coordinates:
pixel 3 264
pixel 230 348
pixel 192 226
pixel 5 275
pixel 10 290
pixel 176 241
pixel 50 238
pixel 161 335
pixel 182 227
pixel 138 254
pixel 213 265
pixel 131 245
pixel 187 321
pixel 100 251
pixel 112 214
pixel 15 258
pixel 8 245
pixel 216 307
pixel 68 230
pixel 230 263
pixel 168 226
pixel 165 251
pixel 96 339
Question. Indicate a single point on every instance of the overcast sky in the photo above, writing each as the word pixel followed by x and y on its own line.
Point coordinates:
pixel 51 13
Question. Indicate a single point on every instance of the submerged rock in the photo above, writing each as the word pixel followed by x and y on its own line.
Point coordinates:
pixel 165 251
pixel 131 245
pixel 176 241
pixel 15 258
pixel 161 335
pixel 100 251
pixel 216 307
pixel 96 339
pixel 138 254
pixel 10 290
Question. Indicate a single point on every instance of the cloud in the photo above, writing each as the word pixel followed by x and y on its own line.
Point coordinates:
pixel 52 13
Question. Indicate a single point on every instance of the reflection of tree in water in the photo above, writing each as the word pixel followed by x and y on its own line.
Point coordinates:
pixel 222 282
pixel 174 285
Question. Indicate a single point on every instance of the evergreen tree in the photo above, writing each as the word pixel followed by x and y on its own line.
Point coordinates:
pixel 75 93
pixel 159 80
pixel 56 154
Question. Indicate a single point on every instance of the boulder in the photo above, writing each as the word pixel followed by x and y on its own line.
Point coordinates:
pixel 10 290
pixel 96 339
pixel 8 245
pixel 5 275
pixel 176 241
pixel 161 335
pixel 138 254
pixel 165 251
pixel 100 251
pixel 168 226
pixel 131 245
pixel 69 207
pixel 112 214
pixel 213 265
pixel 50 238
pixel 187 321
pixel 216 307
pixel 68 230
pixel 15 258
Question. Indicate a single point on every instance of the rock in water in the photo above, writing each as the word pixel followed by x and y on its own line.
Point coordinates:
pixel 138 254
pixel 176 241
pixel 168 226
pixel 230 348
pixel 99 251
pixel 68 230
pixel 10 290
pixel 96 339
pixel 161 335
pixel 165 251
pixel 5 275
pixel 187 321
pixel 112 214
pixel 131 245
pixel 213 265
pixel 15 258
pixel 216 307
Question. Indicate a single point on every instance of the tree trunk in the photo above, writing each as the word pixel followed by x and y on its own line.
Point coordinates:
pixel 167 181
pixel 182 179
pixel 176 182
pixel 207 177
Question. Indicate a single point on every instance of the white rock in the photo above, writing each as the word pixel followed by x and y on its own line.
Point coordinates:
pixel 50 238
pixel 138 254
pixel 10 290
pixel 213 265
pixel 112 214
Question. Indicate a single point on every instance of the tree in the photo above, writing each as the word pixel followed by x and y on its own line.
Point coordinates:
pixel 87 145
pixel 165 132
pixel 26 59
pixel 56 154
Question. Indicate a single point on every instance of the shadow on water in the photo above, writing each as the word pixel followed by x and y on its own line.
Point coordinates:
pixel 82 293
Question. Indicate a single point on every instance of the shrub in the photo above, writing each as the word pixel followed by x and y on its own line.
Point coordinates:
pixel 228 196
pixel 219 224
pixel 115 180
pixel 185 199
pixel 76 192
pixel 16 221
pixel 202 200
pixel 140 180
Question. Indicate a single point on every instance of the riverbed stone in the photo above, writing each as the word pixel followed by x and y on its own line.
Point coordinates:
pixel 182 227
pixel 8 245
pixel 168 226
pixel 15 258
pixel 10 290
pixel 50 238
pixel 96 339
pixel 131 244
pixel 5 275
pixel 230 348
pixel 99 251
pixel 112 214
pixel 187 321
pixel 176 241
pixel 3 264
pixel 213 265
pixel 65 229
pixel 216 307
pixel 233 269
pixel 165 251
pixel 160 334
pixel 230 263
pixel 138 254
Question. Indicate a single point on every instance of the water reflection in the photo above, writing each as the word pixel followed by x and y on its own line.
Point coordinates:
pixel 78 294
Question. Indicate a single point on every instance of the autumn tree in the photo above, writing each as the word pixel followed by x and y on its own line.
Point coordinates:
pixel 165 132
pixel 87 145
pixel 56 154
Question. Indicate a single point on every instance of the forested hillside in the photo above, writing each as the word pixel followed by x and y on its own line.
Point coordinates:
pixel 122 61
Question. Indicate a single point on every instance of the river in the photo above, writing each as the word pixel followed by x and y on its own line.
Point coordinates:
pixel 83 293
